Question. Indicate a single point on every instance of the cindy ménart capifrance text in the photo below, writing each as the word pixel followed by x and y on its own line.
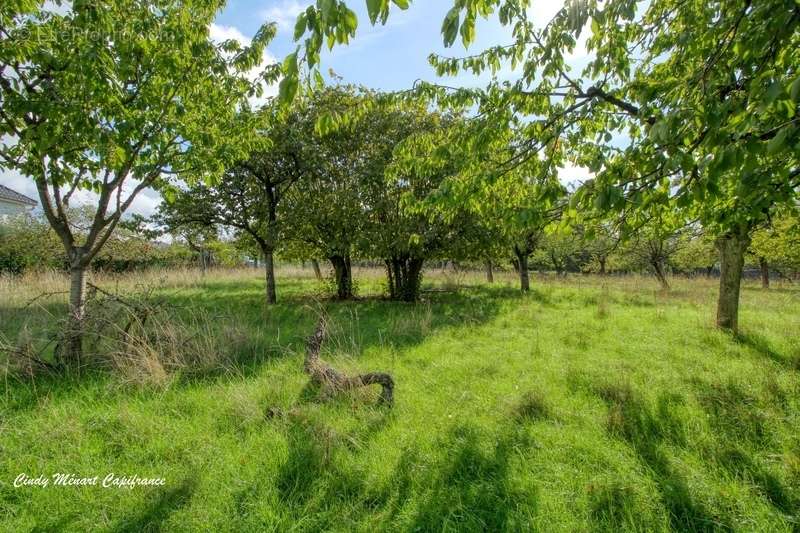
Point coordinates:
pixel 110 480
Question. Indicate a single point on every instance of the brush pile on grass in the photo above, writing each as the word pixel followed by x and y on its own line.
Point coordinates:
pixel 142 340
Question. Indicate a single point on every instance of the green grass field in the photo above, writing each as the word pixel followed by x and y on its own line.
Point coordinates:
pixel 588 404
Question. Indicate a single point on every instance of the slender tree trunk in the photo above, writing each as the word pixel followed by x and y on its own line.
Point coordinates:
pixel 342 276
pixel 524 278
pixel 489 272
pixel 317 271
pixel 391 282
pixel 269 268
pixel 658 268
pixel 762 262
pixel 602 261
pixel 71 351
pixel 731 250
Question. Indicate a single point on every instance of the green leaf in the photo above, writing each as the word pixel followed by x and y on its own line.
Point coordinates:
pixel 776 144
pixel 290 64
pixel 300 26
pixel 450 26
pixel 326 8
pixel 794 91
pixel 774 91
pixel 373 10
pixel 350 20
pixel 402 4
pixel 287 89
pixel 468 31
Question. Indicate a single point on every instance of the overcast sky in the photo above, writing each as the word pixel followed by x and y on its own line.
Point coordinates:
pixel 386 57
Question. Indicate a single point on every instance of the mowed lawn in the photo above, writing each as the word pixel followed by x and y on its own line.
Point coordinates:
pixel 589 404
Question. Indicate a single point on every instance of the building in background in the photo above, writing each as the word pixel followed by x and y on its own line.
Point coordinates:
pixel 14 203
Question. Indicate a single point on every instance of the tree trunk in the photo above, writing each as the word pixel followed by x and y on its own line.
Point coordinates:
pixel 522 262
pixel 658 268
pixel 403 276
pixel 731 250
pixel 269 267
pixel 489 272
pixel 602 261
pixel 317 272
pixel 342 276
pixel 71 351
pixel 762 262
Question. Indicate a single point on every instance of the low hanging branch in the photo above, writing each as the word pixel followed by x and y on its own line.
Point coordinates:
pixel 334 381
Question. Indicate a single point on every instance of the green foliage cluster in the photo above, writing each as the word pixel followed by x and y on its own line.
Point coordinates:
pixel 28 243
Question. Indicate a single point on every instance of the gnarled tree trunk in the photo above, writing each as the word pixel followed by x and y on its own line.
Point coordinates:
pixel 343 276
pixel 333 381
pixel 658 269
pixel 404 275
pixel 731 248
pixel 489 271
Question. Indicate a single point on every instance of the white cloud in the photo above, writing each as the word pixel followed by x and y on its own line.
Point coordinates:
pixel 61 8
pixel 145 203
pixel 573 175
pixel 285 13
pixel 220 33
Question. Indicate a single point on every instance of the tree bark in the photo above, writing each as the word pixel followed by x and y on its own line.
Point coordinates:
pixel 602 261
pixel 658 268
pixel 342 276
pixel 403 276
pixel 317 271
pixel 71 352
pixel 269 267
pixel 524 277
pixel 731 248
pixel 489 272
pixel 764 265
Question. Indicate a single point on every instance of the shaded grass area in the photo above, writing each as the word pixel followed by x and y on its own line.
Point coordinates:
pixel 588 405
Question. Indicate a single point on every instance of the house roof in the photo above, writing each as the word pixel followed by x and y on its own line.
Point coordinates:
pixel 14 196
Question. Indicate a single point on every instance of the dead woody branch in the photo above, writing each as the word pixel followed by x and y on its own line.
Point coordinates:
pixel 331 380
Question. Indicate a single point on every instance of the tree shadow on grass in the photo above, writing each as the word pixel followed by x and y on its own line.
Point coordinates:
pixel 761 345
pixel 648 430
pixel 157 509
pixel 744 467
pixel 743 423
pixel 615 506
pixel 467 486
pixel 355 326
pixel 313 476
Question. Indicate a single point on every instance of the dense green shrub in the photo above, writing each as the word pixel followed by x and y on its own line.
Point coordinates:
pixel 28 243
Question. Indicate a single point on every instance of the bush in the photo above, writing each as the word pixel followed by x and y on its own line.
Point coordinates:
pixel 28 243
